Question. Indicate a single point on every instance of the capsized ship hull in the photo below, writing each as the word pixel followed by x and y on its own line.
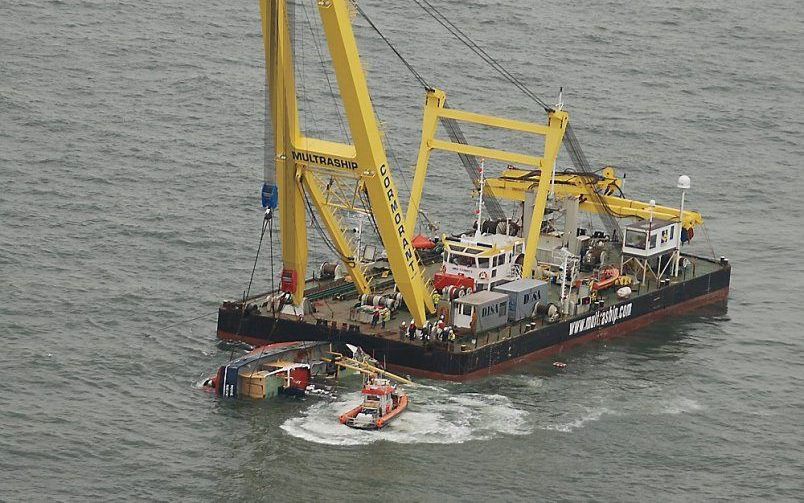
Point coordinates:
pixel 519 344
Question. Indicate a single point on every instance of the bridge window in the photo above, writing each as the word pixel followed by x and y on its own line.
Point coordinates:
pixel 635 239
pixel 461 260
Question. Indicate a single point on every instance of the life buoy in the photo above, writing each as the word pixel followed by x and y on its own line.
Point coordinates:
pixel 483 275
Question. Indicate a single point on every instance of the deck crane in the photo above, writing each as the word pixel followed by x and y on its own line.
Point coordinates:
pixel 341 176
pixel 553 132
pixel 311 168
pixel 596 193
pixel 514 185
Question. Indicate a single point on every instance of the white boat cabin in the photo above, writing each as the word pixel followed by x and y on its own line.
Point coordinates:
pixel 489 259
pixel 649 238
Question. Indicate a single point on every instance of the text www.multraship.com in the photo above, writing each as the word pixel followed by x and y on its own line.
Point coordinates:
pixel 600 318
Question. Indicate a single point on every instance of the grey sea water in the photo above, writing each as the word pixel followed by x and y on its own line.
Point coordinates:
pixel 130 165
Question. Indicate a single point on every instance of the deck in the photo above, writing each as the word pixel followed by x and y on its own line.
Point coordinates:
pixel 334 299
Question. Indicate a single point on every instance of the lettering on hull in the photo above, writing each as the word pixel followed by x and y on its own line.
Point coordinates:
pixel 602 318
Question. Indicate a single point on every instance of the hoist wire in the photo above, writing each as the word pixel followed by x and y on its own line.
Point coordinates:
pixel 307 109
pixel 316 42
pixel 388 42
pixel 474 47
pixel 708 241
pixel 390 148
pixel 367 206
pixel 470 162
pixel 256 258
pixel 271 242
pixel 581 164
pixel 324 237
pixel 472 167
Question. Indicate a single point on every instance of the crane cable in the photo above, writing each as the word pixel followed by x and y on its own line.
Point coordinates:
pixel 474 47
pixel 265 222
pixel 470 162
pixel 324 70
pixel 398 54
pixel 570 141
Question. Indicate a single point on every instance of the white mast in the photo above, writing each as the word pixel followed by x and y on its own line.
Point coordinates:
pixel 652 204
pixel 480 197
pixel 683 184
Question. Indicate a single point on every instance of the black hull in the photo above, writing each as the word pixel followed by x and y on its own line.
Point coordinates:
pixel 439 363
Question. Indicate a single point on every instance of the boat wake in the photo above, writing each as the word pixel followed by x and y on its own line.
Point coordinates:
pixel 434 416
pixel 671 406
pixel 678 405
pixel 589 416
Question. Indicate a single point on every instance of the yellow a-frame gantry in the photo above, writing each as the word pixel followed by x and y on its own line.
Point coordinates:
pixel 300 160
pixel 595 193
pixel 553 132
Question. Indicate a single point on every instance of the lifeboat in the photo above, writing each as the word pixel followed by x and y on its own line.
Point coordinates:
pixel 423 243
pixel 382 402
pixel 606 279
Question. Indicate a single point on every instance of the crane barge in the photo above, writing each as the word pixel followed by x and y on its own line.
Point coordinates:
pixel 504 291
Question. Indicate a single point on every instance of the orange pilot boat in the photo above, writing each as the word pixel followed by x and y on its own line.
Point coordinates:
pixel 606 279
pixel 382 402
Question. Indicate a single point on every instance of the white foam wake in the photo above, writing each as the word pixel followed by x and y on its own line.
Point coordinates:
pixel 679 405
pixel 576 420
pixel 590 415
pixel 434 416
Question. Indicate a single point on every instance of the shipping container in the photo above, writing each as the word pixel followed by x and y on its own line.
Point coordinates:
pixel 480 311
pixel 523 295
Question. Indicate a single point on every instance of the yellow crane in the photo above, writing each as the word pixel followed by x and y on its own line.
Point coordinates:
pixel 302 162
pixel 435 109
pixel 597 194
pixel 340 176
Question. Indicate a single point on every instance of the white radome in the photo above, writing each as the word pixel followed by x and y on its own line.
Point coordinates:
pixel 683 182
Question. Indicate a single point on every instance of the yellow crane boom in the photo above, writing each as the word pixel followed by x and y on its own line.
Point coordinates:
pixel 298 158
pixel 514 185
pixel 312 168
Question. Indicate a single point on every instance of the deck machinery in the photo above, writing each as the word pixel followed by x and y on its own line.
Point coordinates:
pixel 337 178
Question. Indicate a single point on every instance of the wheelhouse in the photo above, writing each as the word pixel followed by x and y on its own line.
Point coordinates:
pixel 489 260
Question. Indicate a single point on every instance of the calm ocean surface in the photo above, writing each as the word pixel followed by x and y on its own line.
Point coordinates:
pixel 130 165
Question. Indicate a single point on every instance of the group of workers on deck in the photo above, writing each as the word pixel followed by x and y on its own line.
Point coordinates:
pixel 438 331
